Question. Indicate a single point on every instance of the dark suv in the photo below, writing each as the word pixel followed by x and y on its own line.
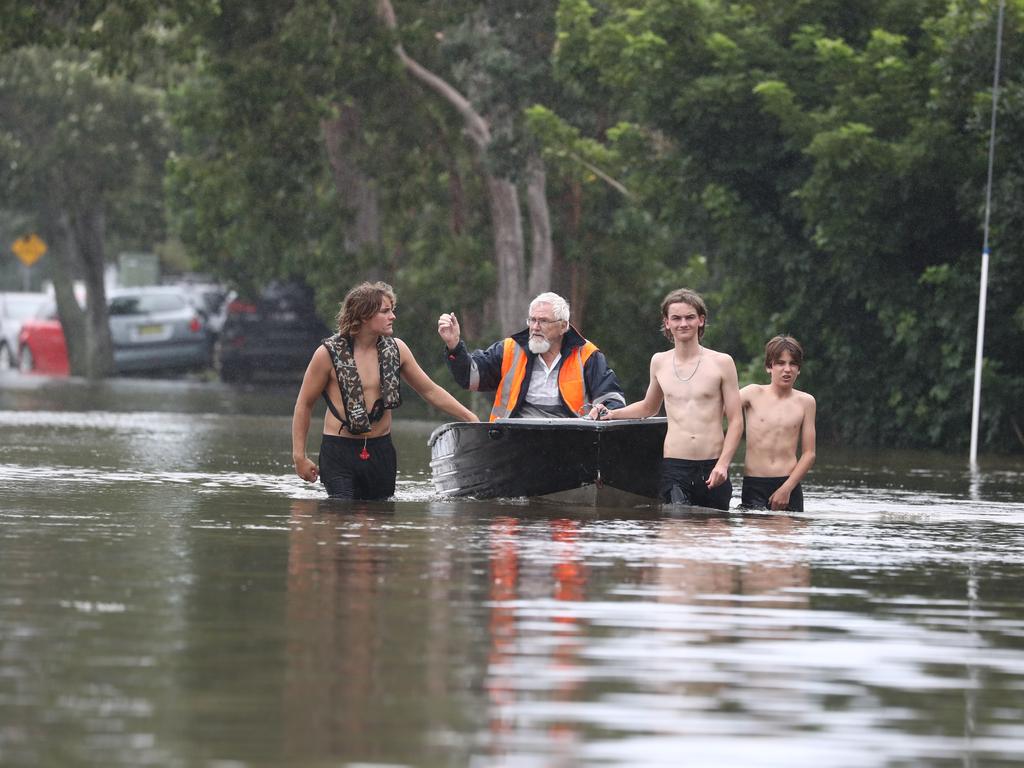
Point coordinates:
pixel 275 335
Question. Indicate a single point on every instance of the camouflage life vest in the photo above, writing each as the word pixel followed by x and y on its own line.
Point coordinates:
pixel 360 420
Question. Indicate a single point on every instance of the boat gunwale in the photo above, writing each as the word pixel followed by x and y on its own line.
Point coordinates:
pixel 575 423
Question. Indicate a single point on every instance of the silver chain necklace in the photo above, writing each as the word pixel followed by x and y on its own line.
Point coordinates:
pixel 693 372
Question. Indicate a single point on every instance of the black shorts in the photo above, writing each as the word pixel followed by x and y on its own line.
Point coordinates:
pixel 684 481
pixel 756 491
pixel 347 476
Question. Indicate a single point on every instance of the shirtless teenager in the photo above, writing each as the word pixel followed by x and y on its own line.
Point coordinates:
pixel 698 387
pixel 361 365
pixel 778 419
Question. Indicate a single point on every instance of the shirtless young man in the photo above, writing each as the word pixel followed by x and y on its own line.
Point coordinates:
pixel 698 386
pixel 778 418
pixel 360 365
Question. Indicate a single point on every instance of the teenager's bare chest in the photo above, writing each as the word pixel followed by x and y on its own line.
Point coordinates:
pixel 703 386
pixel 368 368
pixel 771 413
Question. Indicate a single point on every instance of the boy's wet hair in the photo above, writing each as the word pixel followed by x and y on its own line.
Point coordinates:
pixel 776 346
pixel 362 303
pixel 684 296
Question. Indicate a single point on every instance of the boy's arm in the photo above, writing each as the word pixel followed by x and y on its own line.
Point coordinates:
pixel 808 453
pixel 641 409
pixel 313 383
pixel 746 395
pixel 428 389
pixel 732 407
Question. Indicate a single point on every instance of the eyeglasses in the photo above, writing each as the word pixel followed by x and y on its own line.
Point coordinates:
pixel 541 321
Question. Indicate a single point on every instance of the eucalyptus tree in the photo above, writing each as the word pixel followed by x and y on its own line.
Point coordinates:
pixel 500 65
pixel 303 152
pixel 83 155
pixel 299 152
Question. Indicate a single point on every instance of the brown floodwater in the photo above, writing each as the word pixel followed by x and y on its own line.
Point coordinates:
pixel 172 595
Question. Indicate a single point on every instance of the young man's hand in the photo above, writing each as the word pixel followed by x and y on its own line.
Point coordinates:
pixel 779 500
pixel 306 469
pixel 717 476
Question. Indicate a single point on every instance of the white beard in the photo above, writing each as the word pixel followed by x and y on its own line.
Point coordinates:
pixel 538 345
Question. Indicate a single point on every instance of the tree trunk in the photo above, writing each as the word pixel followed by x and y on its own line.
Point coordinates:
pixel 580 268
pixel 456 193
pixel 542 250
pixel 356 190
pixel 85 238
pixel 71 315
pixel 506 217
pixel 507 228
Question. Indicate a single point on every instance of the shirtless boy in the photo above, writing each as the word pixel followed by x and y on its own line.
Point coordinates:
pixel 778 419
pixel 359 365
pixel 699 387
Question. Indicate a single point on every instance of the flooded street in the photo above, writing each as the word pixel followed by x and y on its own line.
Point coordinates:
pixel 172 594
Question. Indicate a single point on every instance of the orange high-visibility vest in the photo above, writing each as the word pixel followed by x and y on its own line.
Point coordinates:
pixel 513 373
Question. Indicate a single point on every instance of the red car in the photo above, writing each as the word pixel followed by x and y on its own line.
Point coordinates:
pixel 41 345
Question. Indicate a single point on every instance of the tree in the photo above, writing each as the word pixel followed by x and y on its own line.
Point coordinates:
pixel 84 156
pixel 826 160
pixel 499 67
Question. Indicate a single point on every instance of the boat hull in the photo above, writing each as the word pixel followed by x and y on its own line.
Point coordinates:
pixel 600 463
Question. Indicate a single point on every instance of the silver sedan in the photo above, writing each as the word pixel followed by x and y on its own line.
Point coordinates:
pixel 157 328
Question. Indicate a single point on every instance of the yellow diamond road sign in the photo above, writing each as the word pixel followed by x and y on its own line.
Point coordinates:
pixel 29 248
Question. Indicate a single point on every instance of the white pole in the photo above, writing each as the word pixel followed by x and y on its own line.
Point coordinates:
pixel 983 287
pixel 979 347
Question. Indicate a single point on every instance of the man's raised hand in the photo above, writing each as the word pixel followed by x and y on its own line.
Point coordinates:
pixel 448 329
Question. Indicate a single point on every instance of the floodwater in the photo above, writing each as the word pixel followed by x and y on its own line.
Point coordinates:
pixel 172 595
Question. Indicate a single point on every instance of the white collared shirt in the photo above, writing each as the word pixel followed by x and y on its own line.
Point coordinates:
pixel 543 389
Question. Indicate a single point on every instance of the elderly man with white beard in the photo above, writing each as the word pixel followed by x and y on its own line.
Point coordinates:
pixel 546 370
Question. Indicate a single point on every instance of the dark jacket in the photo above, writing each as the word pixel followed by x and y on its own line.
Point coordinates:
pixel 480 370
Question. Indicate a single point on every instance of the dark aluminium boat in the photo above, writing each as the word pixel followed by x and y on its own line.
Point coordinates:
pixel 603 463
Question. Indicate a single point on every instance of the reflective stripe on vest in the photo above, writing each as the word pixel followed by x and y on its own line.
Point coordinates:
pixel 570 377
pixel 513 374
pixel 513 371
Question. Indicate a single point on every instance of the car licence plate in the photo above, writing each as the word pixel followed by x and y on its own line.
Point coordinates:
pixel 154 329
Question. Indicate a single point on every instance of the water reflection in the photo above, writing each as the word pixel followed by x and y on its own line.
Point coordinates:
pixel 370 644
pixel 765 562
pixel 330 653
pixel 551 647
pixel 618 641
pixel 173 595
pixel 504 585
pixel 566 664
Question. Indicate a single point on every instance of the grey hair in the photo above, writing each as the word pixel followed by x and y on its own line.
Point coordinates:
pixel 558 305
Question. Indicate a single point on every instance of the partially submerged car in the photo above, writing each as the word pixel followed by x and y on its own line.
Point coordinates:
pixel 15 309
pixel 41 344
pixel 273 335
pixel 152 329
pixel 157 329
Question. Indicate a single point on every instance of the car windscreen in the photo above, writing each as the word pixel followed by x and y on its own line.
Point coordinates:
pixel 144 304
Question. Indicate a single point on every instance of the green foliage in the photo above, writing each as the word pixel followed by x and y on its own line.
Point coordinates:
pixel 826 160
pixel 816 168
pixel 72 139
